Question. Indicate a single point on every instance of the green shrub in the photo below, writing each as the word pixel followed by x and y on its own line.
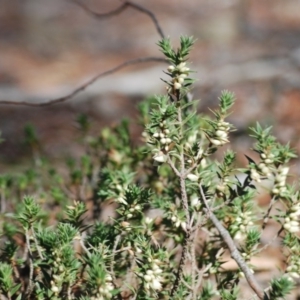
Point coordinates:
pixel 177 211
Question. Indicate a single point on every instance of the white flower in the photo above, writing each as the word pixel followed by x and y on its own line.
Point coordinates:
pixel 171 68
pixel 156 285
pixel 182 76
pixel 174 219
pixel 192 177
pixel 180 80
pixel 284 170
pixel 255 175
pixel 221 134
pixel 194 201
pixel 177 85
pixel 216 142
pixel 160 157
pixel 168 140
pixel 148 220
pixel 148 277
pixel 54 289
pixel 268 161
pixel 183 225
pixel 163 140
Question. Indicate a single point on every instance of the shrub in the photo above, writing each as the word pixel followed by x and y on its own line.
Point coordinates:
pixel 179 213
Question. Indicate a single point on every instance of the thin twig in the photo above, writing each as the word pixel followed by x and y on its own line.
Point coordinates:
pixel 233 250
pixel 37 244
pixel 120 9
pixel 30 257
pixel 189 237
pixel 87 84
pixel 269 243
pixel 178 276
pixel 267 215
pixel 171 164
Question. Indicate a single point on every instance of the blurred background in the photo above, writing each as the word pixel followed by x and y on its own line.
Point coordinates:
pixel 48 48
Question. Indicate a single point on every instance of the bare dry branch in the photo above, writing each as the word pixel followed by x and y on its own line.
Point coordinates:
pixel 87 84
pixel 233 250
pixel 120 9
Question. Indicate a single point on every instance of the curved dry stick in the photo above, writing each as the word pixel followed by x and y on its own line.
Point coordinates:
pixel 120 9
pixel 88 83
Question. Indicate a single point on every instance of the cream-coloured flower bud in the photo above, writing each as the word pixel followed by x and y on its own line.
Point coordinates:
pixel 275 191
pixel 284 170
pixel 263 156
pixel 180 80
pixel 296 208
pixel 158 271
pixel 194 201
pixel 280 178
pixel 177 85
pixel 269 161
pixel 200 153
pixel 156 134
pixel 121 200
pixel 295 275
pixel 255 175
pixel 265 170
pixel 181 65
pixel 54 289
pixel 156 285
pixel 216 142
pixel 184 70
pixel 160 157
pixel 163 140
pixel 138 250
pixel 148 220
pixel 168 141
pixel 294 223
pixel 192 177
pixel 294 229
pixel 203 163
pixel 166 131
pixel 129 216
pixel 183 225
pixel 221 187
pixel 174 219
pixel 148 277
pixel 125 224
pixel 171 68
pixel 290 268
pixel 221 134
pixel 294 216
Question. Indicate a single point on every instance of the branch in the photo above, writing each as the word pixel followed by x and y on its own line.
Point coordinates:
pixel 88 83
pixel 120 9
pixel 233 250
